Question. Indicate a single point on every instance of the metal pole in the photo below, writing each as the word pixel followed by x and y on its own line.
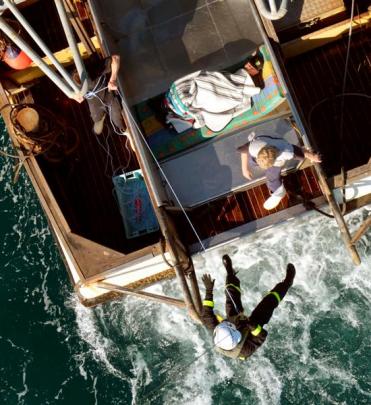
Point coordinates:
pixel 72 44
pixel 338 216
pixel 363 228
pixel 195 290
pixel 321 175
pixel 67 90
pixel 152 180
pixel 41 44
pixel 142 294
pixel 79 28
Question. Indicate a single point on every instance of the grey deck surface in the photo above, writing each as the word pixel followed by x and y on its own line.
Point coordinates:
pixel 214 168
pixel 162 40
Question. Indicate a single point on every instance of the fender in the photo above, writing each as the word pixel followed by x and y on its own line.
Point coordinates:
pixel 16 58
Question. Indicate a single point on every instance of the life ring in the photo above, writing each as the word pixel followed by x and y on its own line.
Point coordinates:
pixel 16 58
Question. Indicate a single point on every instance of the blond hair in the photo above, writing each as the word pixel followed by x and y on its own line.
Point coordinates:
pixel 266 157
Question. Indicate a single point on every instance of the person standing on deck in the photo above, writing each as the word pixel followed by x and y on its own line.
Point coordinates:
pixel 102 85
pixel 239 336
pixel 270 154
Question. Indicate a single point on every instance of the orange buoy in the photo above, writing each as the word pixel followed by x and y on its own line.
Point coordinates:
pixel 15 58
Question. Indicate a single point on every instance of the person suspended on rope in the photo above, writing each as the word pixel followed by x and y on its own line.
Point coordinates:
pixel 101 97
pixel 270 154
pixel 239 336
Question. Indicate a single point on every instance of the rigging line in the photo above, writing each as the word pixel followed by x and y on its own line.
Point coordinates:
pixel 230 296
pixel 108 153
pixel 342 107
pixel 93 94
pixel 3 153
pixel 172 371
pixel 162 172
pixel 179 371
pixel 335 96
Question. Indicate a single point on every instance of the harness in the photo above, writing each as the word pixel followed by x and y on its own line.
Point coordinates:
pixel 245 332
pixel 250 329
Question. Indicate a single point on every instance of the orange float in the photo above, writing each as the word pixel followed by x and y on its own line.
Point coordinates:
pixel 15 58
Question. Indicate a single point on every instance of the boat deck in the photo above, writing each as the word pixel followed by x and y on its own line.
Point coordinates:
pixel 243 207
pixel 82 181
pixel 161 41
pixel 317 79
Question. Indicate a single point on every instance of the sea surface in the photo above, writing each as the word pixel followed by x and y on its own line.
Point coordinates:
pixel 55 351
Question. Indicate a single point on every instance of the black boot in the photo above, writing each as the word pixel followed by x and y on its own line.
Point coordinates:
pixel 290 274
pixel 227 261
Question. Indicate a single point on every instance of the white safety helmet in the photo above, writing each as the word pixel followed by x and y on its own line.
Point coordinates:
pixel 226 336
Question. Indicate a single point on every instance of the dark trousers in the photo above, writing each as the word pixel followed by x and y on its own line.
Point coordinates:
pixel 263 311
pixel 109 105
pixel 273 175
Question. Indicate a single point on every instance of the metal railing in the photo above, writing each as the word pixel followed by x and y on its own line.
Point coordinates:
pixel 63 80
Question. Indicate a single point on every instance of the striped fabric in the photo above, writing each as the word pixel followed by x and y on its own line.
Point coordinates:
pixel 213 99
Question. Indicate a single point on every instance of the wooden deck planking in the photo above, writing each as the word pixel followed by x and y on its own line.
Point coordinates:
pixel 82 183
pixel 318 75
pixel 243 207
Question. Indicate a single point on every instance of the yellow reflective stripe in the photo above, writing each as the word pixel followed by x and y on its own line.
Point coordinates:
pixel 276 295
pixel 234 286
pixel 256 331
pixel 242 357
pixel 219 318
pixel 207 303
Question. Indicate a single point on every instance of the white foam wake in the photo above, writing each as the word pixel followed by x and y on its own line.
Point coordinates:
pixel 307 343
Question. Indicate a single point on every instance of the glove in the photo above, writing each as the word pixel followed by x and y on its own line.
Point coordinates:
pixel 208 282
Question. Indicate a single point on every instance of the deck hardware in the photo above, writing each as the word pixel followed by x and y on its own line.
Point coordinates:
pixel 63 80
pixel 272 13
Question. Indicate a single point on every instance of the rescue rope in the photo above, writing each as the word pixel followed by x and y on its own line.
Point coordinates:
pixel 230 296
pixel 342 170
pixel 178 372
pixel 94 94
pixel 343 94
pixel 46 141
pixel 310 115
pixel 133 121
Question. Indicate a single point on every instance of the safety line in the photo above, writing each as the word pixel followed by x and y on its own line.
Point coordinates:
pixel 161 170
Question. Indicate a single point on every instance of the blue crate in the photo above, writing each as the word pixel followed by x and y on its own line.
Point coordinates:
pixel 135 205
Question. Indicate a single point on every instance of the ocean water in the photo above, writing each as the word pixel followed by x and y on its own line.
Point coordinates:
pixel 55 351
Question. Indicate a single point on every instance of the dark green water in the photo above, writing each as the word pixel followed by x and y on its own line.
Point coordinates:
pixel 54 351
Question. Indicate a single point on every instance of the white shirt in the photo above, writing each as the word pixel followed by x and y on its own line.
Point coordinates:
pixel 286 150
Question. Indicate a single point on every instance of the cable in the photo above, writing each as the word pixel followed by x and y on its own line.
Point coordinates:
pixel 154 157
pixel 129 114
pixel 180 371
pixel 94 94
pixel 342 170
pixel 49 140
pixel 234 304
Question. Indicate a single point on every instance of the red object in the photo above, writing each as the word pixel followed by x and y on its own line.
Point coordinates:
pixel 138 209
pixel 15 58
